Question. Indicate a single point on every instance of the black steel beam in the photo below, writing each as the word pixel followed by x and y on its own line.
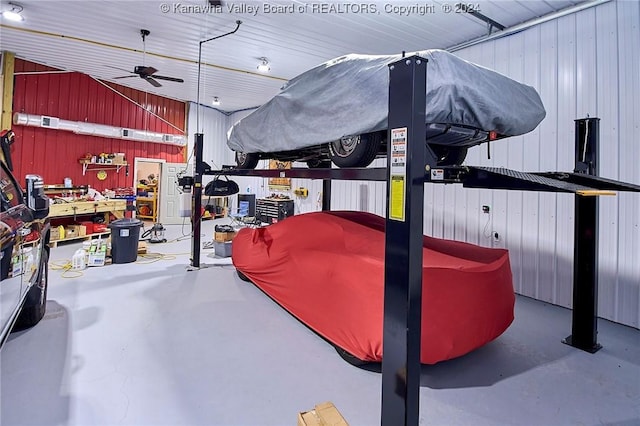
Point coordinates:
pixel 403 242
pixel 326 195
pixel 196 201
pixel 473 10
pixel 595 182
pixel 499 178
pixel 362 173
pixel 584 325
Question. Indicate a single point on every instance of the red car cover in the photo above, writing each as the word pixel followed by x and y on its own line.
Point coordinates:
pixel 327 269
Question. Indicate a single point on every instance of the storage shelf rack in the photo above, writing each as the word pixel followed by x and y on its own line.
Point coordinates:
pixel 151 203
pixel 88 165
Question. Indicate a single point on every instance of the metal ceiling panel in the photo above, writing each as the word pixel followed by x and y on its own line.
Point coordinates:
pixel 90 36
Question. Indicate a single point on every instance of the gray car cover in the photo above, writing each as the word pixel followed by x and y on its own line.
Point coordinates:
pixel 349 95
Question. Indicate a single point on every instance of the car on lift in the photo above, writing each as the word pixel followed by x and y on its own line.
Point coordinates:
pixel 338 112
pixel 24 249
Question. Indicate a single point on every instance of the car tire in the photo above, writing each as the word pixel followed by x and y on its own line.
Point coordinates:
pixel 245 160
pixel 242 276
pixel 355 151
pixel 449 155
pixel 35 304
pixel 351 359
pixel 319 164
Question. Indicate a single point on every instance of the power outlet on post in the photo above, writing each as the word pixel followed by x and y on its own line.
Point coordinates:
pixel 486 209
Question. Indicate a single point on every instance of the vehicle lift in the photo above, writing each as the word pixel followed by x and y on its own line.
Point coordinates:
pixel 409 166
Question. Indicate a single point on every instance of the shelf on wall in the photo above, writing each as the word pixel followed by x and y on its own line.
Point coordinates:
pixel 58 189
pixel 88 165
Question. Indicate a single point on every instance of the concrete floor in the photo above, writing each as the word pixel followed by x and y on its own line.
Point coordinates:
pixel 151 343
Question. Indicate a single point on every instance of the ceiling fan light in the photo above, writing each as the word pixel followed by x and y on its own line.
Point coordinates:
pixel 264 65
pixel 11 15
pixel 14 14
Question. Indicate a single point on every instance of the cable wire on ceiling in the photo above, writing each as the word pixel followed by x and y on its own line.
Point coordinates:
pixel 137 104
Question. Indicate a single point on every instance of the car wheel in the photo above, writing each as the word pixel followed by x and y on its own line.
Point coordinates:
pixel 355 151
pixel 246 160
pixel 319 164
pixel 36 302
pixel 242 276
pixel 449 155
pixel 350 358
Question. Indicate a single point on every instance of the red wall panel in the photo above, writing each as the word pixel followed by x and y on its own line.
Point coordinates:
pixel 54 154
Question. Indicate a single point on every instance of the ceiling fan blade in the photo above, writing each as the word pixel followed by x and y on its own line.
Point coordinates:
pixel 125 76
pixel 162 77
pixel 153 82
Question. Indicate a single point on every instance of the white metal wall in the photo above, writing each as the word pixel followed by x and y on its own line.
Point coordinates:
pixel 260 186
pixel 583 64
pixel 213 125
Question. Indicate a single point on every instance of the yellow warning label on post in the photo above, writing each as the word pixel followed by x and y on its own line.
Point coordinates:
pixel 397 197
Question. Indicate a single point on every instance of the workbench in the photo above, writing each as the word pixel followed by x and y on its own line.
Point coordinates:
pixel 78 208
pixel 83 208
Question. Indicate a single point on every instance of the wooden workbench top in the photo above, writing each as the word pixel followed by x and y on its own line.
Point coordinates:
pixel 87 207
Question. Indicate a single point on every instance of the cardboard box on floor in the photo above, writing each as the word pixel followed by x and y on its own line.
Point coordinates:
pixel 325 414
pixel 222 237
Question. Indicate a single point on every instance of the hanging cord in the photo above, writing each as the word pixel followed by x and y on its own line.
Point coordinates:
pixel 586 138
pixel 486 226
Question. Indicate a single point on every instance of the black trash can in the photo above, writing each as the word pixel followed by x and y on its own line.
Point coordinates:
pixel 124 239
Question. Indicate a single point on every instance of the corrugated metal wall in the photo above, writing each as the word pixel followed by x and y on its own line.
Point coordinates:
pixel 54 154
pixel 213 125
pixel 582 64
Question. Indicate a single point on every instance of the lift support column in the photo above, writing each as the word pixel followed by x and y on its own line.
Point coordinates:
pixel 584 329
pixel 403 248
pixel 196 202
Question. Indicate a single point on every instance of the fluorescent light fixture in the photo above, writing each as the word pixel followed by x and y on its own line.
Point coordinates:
pixel 215 101
pixel 14 14
pixel 264 65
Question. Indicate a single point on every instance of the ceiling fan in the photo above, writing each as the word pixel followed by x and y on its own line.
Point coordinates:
pixel 145 72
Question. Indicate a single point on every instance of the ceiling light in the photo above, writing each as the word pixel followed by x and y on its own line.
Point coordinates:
pixel 14 13
pixel 215 101
pixel 264 65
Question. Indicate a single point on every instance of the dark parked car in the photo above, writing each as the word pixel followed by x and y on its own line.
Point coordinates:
pixel 338 112
pixel 24 250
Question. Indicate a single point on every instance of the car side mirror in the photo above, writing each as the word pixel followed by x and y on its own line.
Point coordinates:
pixel 36 200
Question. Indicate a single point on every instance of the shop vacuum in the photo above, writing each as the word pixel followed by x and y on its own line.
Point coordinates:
pixel 155 234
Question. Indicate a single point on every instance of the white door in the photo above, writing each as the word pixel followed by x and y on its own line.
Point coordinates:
pixel 169 193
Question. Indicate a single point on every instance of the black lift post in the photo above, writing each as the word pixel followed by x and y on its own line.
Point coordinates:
pixel 584 328
pixel 326 195
pixel 403 249
pixel 201 166
pixel 196 201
